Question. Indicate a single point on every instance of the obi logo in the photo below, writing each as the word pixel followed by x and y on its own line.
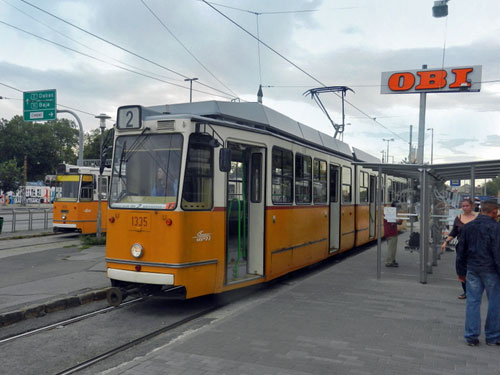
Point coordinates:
pixel 200 236
pixel 436 80
pixel 87 210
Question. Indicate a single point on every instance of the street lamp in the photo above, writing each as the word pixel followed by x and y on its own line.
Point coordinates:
pixel 191 88
pixel 432 143
pixel 102 125
pixel 387 154
pixel 440 8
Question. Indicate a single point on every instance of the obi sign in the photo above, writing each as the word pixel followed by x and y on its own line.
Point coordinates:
pixel 460 79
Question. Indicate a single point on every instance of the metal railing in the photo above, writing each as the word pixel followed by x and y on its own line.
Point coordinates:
pixel 32 216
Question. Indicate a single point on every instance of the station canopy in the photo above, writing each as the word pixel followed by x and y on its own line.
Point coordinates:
pixel 443 172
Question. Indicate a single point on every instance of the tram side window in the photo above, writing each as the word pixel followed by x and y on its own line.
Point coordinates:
pixel 198 180
pixel 255 179
pixel 346 185
pixel 87 189
pixel 334 178
pixel 282 169
pixel 303 175
pixel 319 181
pixel 390 191
pixel 363 187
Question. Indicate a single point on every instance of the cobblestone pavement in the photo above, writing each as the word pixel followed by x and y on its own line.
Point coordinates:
pixel 340 320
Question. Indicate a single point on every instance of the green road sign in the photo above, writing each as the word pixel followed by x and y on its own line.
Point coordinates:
pixel 39 105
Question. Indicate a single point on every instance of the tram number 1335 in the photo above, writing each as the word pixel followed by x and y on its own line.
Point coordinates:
pixel 139 222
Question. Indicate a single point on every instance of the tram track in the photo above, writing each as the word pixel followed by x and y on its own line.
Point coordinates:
pixel 66 322
pixel 12 244
pixel 121 348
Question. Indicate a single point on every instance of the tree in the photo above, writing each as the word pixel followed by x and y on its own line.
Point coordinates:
pixel 45 145
pixel 92 143
pixel 492 187
pixel 11 176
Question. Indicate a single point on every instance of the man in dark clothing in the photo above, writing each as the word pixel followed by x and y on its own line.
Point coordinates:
pixel 478 262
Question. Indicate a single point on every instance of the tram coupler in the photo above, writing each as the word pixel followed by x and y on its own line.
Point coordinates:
pixel 115 296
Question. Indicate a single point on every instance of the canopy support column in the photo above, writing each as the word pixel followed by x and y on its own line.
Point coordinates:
pixel 380 215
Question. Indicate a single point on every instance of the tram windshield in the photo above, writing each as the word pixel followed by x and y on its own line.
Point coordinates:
pixel 68 187
pixel 146 171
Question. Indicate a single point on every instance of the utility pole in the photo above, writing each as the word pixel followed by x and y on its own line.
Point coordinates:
pixel 387 154
pixel 432 143
pixel 421 126
pixel 80 136
pixel 409 143
pixel 191 88
pixel 102 125
pixel 25 178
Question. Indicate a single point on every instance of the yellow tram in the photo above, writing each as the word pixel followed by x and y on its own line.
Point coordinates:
pixel 76 201
pixel 211 196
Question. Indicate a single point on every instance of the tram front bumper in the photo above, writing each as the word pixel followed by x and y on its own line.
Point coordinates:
pixel 141 277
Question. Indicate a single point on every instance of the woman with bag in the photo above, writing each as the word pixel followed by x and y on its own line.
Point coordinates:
pixel 467 216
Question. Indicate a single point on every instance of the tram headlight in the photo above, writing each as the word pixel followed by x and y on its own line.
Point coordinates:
pixel 63 217
pixel 136 250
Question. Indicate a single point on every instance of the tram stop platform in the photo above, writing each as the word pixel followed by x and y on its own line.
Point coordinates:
pixel 337 319
pixel 334 318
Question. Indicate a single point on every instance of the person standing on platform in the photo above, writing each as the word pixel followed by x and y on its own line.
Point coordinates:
pixel 467 216
pixel 391 235
pixel 478 264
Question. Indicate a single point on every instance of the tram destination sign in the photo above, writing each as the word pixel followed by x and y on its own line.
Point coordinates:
pixel 39 105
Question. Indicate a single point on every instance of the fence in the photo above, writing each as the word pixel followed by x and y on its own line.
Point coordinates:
pixel 17 219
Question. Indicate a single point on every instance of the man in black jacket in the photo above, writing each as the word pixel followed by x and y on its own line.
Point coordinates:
pixel 478 262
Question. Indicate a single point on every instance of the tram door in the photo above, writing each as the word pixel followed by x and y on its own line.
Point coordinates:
pixel 373 208
pixel 334 208
pixel 245 213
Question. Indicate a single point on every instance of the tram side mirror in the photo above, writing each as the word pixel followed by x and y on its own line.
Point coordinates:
pixel 102 166
pixel 225 160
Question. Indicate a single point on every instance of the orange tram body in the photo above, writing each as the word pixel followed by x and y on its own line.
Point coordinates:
pixel 76 201
pixel 212 196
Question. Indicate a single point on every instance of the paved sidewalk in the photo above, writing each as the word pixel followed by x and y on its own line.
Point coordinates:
pixel 341 320
pixel 45 274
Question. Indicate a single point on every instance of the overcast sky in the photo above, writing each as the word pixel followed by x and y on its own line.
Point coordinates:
pixel 342 42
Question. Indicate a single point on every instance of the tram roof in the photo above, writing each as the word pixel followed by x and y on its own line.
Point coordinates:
pixel 444 172
pixel 259 116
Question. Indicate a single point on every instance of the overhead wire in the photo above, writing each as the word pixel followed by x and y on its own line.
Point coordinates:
pixel 82 44
pixel 109 63
pixel 123 48
pixel 298 67
pixel 185 48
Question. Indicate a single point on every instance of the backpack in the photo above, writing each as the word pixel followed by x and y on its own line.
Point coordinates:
pixel 414 240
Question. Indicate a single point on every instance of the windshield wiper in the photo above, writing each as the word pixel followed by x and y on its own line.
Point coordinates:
pixel 122 157
pixel 137 143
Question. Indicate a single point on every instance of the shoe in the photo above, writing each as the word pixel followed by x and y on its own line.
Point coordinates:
pixel 462 296
pixel 390 265
pixel 493 343
pixel 395 264
pixel 473 342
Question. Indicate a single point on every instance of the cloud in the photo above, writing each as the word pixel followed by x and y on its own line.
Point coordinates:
pixel 492 140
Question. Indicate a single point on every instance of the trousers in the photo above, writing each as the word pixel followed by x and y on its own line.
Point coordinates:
pixel 392 246
pixel 477 283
